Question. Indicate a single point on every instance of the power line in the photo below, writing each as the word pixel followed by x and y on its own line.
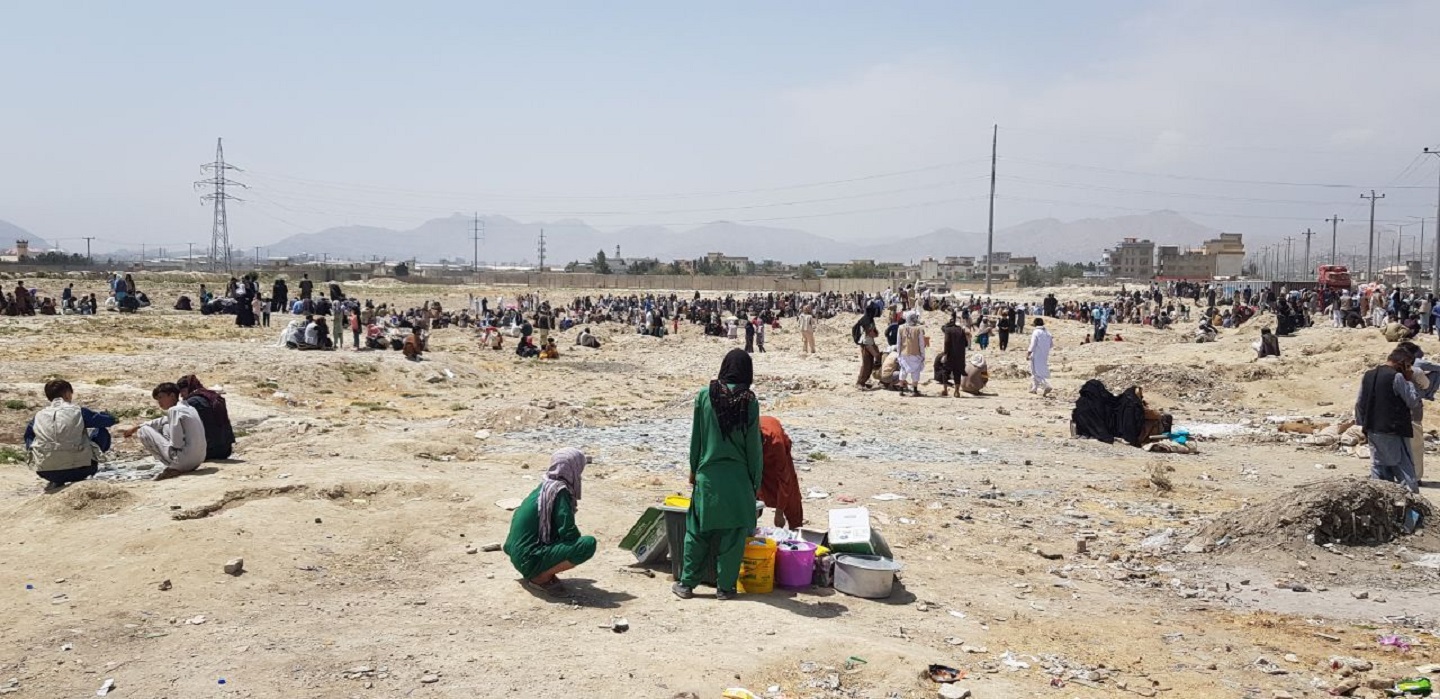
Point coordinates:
pixel 1196 178
pixel 615 197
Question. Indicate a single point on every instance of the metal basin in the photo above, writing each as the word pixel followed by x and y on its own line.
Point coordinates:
pixel 871 577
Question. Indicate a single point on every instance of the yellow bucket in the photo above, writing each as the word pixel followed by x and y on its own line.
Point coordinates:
pixel 757 566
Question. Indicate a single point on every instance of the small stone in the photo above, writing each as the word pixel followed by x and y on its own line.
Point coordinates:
pixel 429 679
pixel 1292 658
pixel 317 520
pixel 165 585
pixel 491 547
pixel 471 550
pixel 235 566
pixel 1360 594
pixel 1282 694
pixel 953 691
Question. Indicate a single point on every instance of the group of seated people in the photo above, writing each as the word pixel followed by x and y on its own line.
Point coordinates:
pixel 66 442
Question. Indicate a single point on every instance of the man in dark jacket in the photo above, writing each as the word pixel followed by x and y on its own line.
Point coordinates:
pixel 1387 395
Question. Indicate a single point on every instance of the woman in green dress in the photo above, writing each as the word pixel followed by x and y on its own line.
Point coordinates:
pixel 725 467
pixel 544 540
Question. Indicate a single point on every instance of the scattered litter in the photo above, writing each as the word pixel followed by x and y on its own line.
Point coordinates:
pixel 1011 662
pixel 944 674
pixel 508 504
pixel 817 495
pixel 1396 642
pixel 618 624
pixel 738 693
pixel 887 497
pixel 105 688
pixel 196 620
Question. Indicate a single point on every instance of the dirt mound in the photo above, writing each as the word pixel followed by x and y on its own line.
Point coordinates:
pixel 1349 511
pixel 87 499
pixel 1176 381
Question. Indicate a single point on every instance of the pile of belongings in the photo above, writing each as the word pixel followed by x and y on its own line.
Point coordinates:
pixel 1104 416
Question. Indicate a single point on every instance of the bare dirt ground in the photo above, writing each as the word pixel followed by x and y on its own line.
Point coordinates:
pixel 360 480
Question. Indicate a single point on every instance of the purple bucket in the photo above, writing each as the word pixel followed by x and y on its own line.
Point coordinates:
pixel 794 564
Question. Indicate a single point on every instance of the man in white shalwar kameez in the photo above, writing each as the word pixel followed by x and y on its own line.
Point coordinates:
pixel 1039 355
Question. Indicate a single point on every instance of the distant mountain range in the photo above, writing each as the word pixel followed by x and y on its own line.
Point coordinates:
pixel 9 233
pixel 509 241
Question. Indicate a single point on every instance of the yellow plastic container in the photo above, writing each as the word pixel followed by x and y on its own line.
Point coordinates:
pixel 677 501
pixel 757 567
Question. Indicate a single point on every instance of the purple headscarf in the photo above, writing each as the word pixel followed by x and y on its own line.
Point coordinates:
pixel 566 465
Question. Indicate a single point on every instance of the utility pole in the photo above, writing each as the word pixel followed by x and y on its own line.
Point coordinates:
pixel 220 226
pixel 990 229
pixel 1308 269
pixel 1370 258
pixel 477 231
pixel 190 258
pixel 88 259
pixel 142 253
pixel 1289 259
pixel 1420 247
pixel 257 256
pixel 1435 278
pixel 1399 236
pixel 542 250
pixel 1334 228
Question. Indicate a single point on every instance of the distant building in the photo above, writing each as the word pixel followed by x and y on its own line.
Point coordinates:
pixel 1229 253
pixel 1004 266
pixel 17 253
pixel 1221 257
pixel 1131 259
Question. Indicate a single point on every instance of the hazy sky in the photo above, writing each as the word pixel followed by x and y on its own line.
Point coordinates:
pixel 631 113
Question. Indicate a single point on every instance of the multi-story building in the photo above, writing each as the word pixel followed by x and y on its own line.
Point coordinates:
pixel 1131 259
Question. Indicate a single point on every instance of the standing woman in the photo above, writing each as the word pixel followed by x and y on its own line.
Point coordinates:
pixel 1007 326
pixel 864 334
pixel 956 341
pixel 726 465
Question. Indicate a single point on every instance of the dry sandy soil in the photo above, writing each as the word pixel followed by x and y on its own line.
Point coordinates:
pixel 360 480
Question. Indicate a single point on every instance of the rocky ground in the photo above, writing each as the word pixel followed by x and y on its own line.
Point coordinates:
pixel 363 492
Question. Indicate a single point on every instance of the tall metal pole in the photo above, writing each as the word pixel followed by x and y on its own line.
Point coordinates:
pixel 1435 276
pixel 1334 228
pixel 475 238
pixel 1308 269
pixel 990 229
pixel 1370 256
pixel 88 259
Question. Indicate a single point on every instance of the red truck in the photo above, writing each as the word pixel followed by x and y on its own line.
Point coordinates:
pixel 1334 277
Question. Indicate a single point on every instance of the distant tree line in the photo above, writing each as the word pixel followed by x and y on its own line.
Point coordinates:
pixel 55 258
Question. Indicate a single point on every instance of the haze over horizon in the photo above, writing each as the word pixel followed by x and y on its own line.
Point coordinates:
pixel 852 121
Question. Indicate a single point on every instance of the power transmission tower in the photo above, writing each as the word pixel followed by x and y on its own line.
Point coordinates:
pixel 88 259
pixel 477 232
pixel 542 250
pixel 1308 233
pixel 1435 278
pixel 190 259
pixel 1370 258
pixel 990 230
pixel 1334 227
pixel 220 228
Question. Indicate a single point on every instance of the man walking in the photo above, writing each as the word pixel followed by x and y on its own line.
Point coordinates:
pixel 1383 411
pixel 1039 355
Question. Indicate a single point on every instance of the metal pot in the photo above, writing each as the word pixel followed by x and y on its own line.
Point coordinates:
pixel 871 577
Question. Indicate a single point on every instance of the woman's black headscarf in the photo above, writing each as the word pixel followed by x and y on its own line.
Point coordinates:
pixel 732 407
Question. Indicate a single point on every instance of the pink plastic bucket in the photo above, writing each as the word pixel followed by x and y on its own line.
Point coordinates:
pixel 794 564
